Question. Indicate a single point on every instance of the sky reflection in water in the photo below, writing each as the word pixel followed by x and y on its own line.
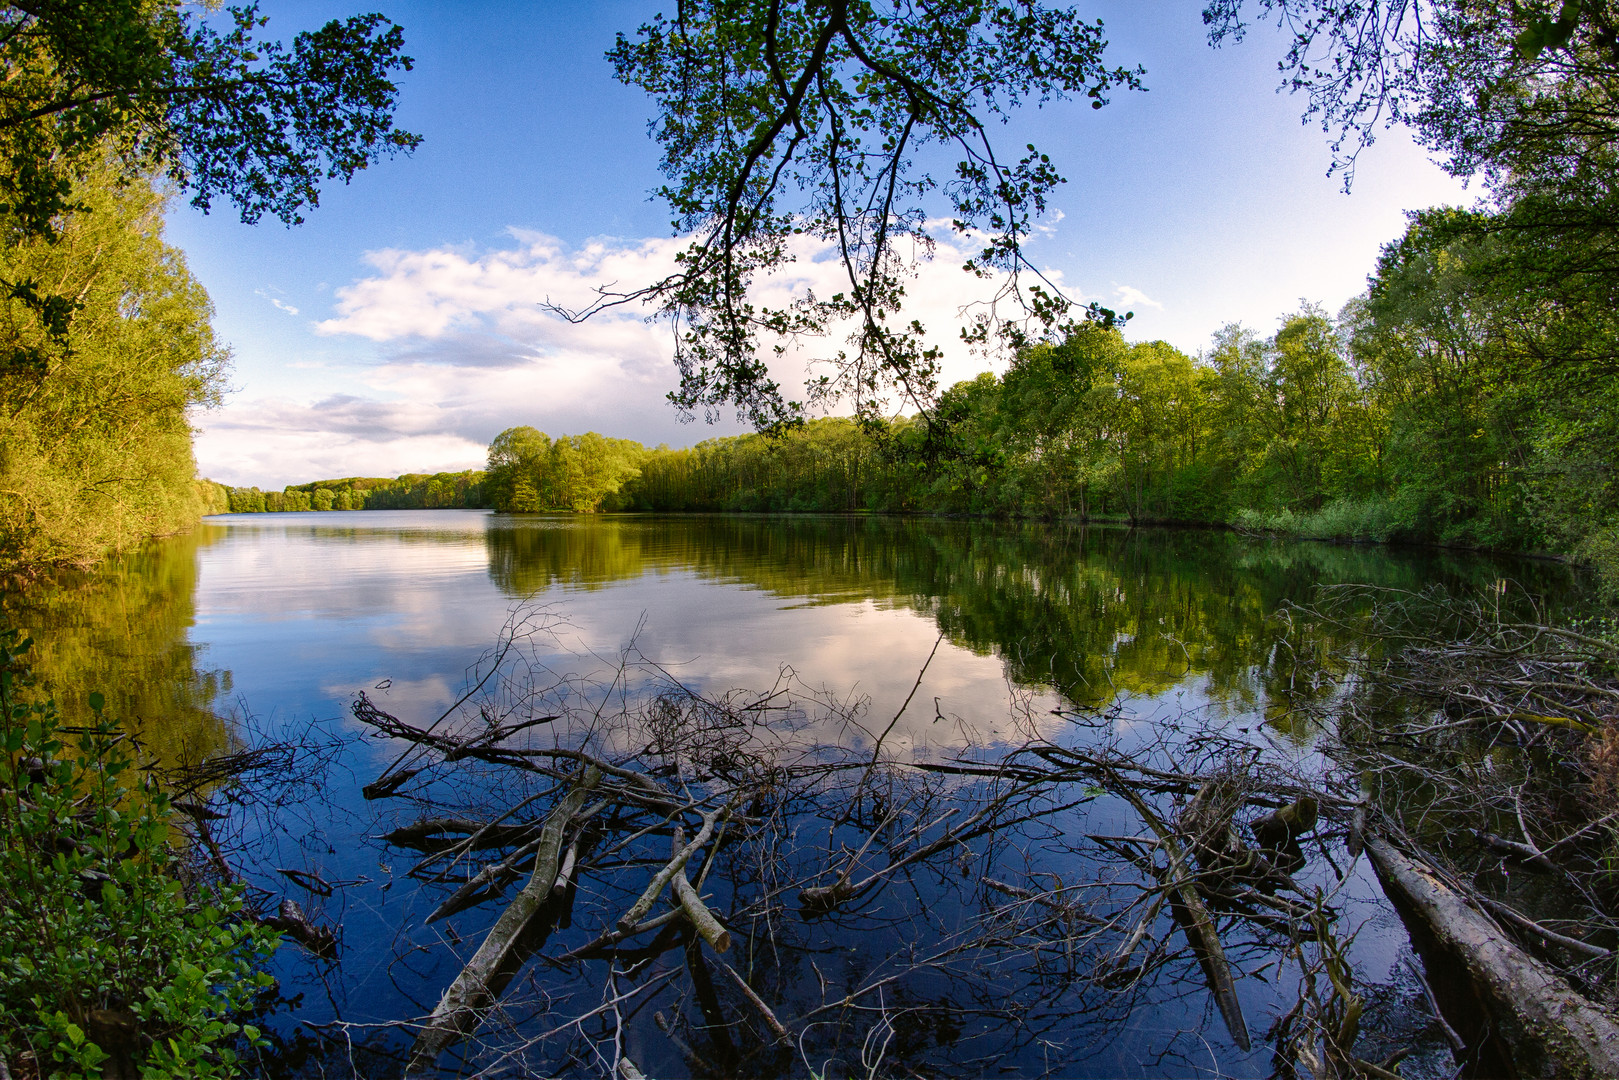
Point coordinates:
pixel 294 614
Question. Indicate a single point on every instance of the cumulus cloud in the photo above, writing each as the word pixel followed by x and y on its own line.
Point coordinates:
pixel 463 342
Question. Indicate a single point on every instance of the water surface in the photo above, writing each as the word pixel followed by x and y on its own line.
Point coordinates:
pixel 257 626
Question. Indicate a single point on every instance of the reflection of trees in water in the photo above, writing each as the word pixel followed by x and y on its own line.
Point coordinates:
pixel 1090 612
pixel 122 629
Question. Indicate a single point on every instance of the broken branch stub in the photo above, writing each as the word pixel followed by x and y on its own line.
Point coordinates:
pixel 702 919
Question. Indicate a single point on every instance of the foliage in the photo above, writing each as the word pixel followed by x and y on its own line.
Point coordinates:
pixel 219 109
pixel 1488 337
pixel 133 88
pixel 529 472
pixel 412 491
pixel 106 959
pixel 1521 92
pixel 95 446
pixel 1088 426
pixel 104 336
pixel 1406 418
pixel 784 118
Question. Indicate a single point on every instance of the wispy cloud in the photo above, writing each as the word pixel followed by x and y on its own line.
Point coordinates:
pixel 278 303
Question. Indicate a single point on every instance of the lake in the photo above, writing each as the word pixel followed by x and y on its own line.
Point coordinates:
pixel 261 629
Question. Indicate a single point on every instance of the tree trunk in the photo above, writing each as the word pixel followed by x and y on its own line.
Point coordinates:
pixel 1552 1029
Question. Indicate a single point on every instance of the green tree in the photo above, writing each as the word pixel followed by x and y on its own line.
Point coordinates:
pixel 1521 92
pixel 584 471
pixel 219 109
pixel 781 118
pixel 95 453
pixel 518 453
pixel 1309 392
pixel 146 86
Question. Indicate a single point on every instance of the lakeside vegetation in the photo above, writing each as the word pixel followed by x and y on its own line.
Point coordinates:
pixel 1399 419
pixel 95 445
pixel 120 958
pixel 1468 397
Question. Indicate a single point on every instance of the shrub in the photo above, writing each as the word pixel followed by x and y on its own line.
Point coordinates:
pixel 107 960
pixel 1345 519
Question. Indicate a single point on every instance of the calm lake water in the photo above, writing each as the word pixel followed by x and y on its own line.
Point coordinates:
pixel 265 627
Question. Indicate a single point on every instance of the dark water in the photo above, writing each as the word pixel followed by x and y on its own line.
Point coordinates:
pixel 261 627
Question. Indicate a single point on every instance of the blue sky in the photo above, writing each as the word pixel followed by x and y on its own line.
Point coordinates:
pixel 399 329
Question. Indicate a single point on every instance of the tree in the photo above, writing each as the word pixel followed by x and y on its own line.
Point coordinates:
pixel 782 119
pixel 1310 394
pixel 158 89
pixel 1520 92
pixel 516 455
pixel 222 111
pixel 95 454
pixel 582 471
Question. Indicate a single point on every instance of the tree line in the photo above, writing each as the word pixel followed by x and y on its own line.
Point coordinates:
pixel 1426 410
pixel 1423 411
pixel 412 491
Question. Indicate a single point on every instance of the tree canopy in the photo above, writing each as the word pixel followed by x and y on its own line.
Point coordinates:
pixel 1519 92
pixel 95 454
pixel 220 109
pixel 206 102
pixel 782 119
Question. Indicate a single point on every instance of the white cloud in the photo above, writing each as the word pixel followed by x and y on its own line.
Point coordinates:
pixel 462 345
pixel 279 304
pixel 1132 297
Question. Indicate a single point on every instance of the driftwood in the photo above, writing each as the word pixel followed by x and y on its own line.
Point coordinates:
pixel 709 927
pixel 777 1028
pixel 291 920
pixel 692 763
pixel 457 1011
pixel 1553 1020
pixel 1198 922
pixel 660 881
pixel 1284 825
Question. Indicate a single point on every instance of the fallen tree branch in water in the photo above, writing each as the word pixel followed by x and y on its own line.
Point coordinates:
pixel 1200 928
pixel 1549 1015
pixel 457 1012
pixel 865 842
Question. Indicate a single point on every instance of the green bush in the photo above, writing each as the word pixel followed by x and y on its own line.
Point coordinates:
pixel 107 960
pixel 1345 519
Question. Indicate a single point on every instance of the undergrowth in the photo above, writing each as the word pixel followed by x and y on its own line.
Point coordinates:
pixel 111 962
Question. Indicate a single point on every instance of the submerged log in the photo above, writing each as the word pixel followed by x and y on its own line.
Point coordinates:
pixel 1194 915
pixel 291 921
pixel 1556 1025
pixel 1284 826
pixel 457 1011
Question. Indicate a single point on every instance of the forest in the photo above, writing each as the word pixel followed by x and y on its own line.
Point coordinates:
pixel 1409 416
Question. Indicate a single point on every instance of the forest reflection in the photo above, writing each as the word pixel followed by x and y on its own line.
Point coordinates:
pixel 1091 612
pixel 124 629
